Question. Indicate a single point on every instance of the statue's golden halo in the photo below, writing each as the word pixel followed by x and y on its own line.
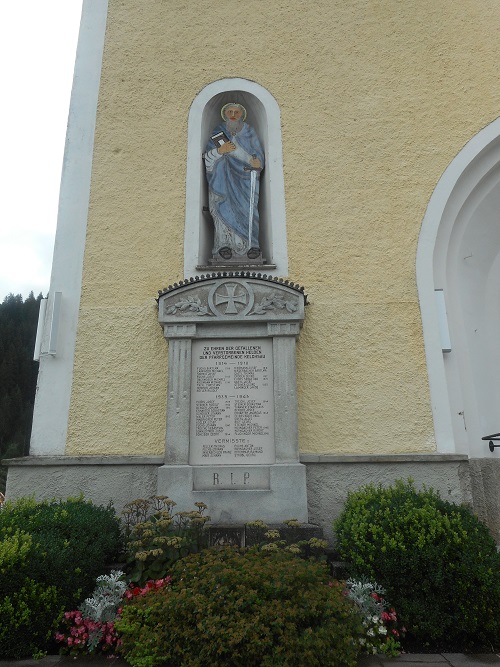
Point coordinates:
pixel 233 104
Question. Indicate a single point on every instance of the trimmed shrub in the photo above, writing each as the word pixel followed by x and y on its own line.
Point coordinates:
pixel 234 608
pixel 27 609
pixel 73 541
pixel 437 561
pixel 29 618
pixel 50 555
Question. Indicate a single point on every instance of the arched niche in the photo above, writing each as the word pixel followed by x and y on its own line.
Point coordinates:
pixel 459 256
pixel 264 115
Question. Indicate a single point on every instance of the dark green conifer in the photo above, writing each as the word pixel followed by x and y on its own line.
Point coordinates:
pixel 18 373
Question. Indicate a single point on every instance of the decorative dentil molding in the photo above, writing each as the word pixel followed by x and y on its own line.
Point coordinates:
pixel 230 296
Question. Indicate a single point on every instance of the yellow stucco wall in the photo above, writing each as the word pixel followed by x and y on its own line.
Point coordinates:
pixel 376 99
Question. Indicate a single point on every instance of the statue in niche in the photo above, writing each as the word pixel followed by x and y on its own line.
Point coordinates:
pixel 234 159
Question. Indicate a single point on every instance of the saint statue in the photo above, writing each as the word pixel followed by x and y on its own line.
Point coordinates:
pixel 234 159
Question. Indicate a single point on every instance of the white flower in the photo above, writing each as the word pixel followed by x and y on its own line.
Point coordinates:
pixel 382 630
pixel 375 619
pixel 370 633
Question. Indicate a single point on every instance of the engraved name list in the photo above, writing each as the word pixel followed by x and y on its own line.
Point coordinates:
pixel 232 406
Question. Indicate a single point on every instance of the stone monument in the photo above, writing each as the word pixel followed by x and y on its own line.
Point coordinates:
pixel 232 432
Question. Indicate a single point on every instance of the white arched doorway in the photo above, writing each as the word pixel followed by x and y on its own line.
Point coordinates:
pixel 459 253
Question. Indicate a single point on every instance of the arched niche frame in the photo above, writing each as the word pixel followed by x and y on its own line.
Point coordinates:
pixel 264 115
pixel 458 278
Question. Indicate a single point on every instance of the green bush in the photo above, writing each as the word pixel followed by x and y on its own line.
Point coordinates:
pixel 29 618
pixel 73 541
pixel 50 555
pixel 437 561
pixel 235 608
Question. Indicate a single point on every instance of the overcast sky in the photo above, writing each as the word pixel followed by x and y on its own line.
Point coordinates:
pixel 37 53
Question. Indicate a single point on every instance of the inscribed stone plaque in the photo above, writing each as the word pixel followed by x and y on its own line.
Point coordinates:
pixel 231 478
pixel 232 402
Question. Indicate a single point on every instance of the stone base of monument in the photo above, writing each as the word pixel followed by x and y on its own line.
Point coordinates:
pixel 291 534
pixel 250 535
pixel 238 494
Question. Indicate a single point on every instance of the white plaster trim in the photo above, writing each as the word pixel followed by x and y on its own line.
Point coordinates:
pixel 50 418
pixel 456 184
pixel 273 173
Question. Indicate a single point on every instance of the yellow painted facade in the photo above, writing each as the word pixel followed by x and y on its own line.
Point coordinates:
pixel 376 98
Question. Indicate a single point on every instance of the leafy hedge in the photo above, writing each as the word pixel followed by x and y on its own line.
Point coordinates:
pixel 437 561
pixel 235 608
pixel 50 555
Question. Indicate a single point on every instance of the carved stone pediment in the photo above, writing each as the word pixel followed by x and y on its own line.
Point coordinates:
pixel 237 297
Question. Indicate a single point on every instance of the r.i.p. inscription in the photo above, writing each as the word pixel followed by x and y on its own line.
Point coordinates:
pixel 232 404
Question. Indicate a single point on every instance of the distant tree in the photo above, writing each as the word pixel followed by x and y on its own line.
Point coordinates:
pixel 18 374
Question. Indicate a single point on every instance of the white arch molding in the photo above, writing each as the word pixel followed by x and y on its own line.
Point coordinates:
pixel 459 253
pixel 264 116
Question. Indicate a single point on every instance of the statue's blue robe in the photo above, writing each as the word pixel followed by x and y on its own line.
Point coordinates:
pixel 232 184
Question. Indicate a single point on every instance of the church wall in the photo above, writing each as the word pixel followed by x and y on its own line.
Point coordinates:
pixel 376 99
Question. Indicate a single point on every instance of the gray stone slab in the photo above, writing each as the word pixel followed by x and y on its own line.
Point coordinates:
pixel 409 660
pixel 100 661
pixel 417 659
pixel 120 483
pixel 370 661
pixel 434 661
pixel 231 478
pixel 286 498
pixel 461 660
pixel 232 402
